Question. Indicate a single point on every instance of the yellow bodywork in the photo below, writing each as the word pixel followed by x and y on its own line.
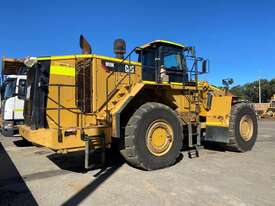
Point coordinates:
pixel 62 71
pixel 219 114
pixel 160 41
pixel 121 87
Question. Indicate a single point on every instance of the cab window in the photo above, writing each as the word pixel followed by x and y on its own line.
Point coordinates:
pixel 172 61
pixel 22 88
pixel 10 88
pixel 148 60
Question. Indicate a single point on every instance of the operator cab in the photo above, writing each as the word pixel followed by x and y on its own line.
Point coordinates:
pixel 163 61
pixel 11 67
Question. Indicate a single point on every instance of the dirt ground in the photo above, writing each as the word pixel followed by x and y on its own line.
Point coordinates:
pixel 31 175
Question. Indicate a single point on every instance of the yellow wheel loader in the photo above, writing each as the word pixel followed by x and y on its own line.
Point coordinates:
pixel 154 107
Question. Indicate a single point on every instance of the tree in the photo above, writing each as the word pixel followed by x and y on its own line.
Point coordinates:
pixel 250 91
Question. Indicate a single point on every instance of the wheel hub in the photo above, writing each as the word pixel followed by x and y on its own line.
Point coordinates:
pixel 246 127
pixel 159 137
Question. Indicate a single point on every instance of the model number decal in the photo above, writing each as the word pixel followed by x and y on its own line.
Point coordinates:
pixel 110 64
pixel 118 67
pixel 129 69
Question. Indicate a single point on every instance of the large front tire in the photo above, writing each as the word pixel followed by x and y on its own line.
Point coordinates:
pixel 243 128
pixel 153 137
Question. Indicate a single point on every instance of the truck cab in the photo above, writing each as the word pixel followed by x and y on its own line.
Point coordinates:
pixel 11 105
pixel 13 71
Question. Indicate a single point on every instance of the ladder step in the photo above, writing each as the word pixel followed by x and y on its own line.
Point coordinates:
pixel 121 94
pixel 193 153
pixel 127 86
pixel 194 134
pixel 114 102
pixel 90 150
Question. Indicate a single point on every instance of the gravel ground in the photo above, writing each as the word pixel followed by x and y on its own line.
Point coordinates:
pixel 32 175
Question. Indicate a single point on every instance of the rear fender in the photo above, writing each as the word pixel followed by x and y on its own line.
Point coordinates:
pixel 217 119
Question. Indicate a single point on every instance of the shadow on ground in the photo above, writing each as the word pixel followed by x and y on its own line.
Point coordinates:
pixel 100 178
pixel 74 162
pixel 13 189
pixel 215 147
pixel 22 143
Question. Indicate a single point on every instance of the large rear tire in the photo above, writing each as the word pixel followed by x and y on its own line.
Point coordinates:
pixel 153 137
pixel 243 128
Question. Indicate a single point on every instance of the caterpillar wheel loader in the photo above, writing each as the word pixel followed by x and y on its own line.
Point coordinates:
pixel 154 107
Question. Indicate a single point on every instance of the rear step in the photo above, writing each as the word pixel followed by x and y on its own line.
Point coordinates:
pixel 194 152
pixel 91 148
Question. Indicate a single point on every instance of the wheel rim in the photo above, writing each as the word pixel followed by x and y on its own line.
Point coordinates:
pixel 246 128
pixel 159 137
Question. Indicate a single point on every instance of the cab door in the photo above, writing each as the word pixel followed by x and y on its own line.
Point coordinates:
pixel 149 59
pixel 19 103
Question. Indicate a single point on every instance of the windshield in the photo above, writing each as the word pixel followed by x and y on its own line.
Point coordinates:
pixel 173 61
pixel 9 89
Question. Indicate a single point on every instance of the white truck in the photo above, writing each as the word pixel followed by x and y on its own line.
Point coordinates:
pixel 12 106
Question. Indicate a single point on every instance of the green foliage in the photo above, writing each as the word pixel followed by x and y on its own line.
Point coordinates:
pixel 250 91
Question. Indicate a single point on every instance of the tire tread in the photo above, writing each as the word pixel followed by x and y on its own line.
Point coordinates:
pixel 233 144
pixel 129 153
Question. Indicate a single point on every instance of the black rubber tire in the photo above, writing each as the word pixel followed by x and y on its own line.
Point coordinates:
pixel 236 142
pixel 7 133
pixel 136 152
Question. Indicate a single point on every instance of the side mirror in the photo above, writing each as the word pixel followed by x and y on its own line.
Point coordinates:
pixel 22 89
pixel 205 66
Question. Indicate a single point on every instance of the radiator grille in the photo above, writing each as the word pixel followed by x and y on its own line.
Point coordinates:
pixel 83 84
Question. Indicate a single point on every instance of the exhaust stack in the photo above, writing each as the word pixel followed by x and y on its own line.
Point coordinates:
pixel 84 45
pixel 119 48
